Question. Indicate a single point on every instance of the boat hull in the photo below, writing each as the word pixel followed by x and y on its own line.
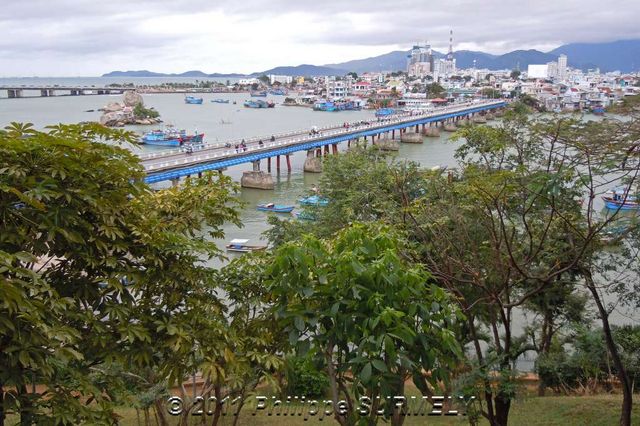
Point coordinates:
pixel 244 248
pixel 615 205
pixel 313 200
pixel 276 209
pixel 166 142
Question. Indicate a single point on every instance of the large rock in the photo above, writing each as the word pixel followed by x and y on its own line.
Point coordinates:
pixel 113 106
pixel 450 127
pixel 411 138
pixel 257 179
pixel 131 98
pixel 479 119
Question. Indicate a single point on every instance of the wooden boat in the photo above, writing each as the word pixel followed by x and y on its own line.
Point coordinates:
pixel 621 198
pixel 313 200
pixel 276 208
pixel 220 101
pixel 240 246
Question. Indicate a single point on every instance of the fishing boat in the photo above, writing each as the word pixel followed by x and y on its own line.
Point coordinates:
pixel 324 106
pixel 622 199
pixel 240 246
pixel 276 208
pixel 171 137
pixel 278 92
pixel 313 200
pixel 258 94
pixel 192 100
pixel 597 110
pixel 259 104
pixel 220 101
pixel 385 112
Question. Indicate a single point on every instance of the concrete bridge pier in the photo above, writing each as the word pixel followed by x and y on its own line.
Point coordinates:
pixel 278 164
pixel 313 162
pixel 269 165
pixel 256 178
pixel 335 148
pixel 14 93
pixel 288 163
pixel 175 181
pixel 326 150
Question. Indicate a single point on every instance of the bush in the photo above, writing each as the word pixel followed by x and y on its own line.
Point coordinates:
pixel 304 377
pixel 139 111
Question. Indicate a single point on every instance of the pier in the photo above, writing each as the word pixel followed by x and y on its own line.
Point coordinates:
pixel 173 164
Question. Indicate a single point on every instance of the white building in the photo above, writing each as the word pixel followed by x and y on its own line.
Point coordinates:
pixel 562 67
pixel 537 71
pixel 284 79
pixel 420 61
pixel 338 88
pixel 247 81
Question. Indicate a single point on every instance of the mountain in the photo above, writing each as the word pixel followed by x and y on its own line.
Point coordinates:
pixel 304 69
pixel 145 73
pixel 622 55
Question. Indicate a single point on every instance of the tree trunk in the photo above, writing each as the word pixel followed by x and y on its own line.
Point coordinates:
pixel 627 395
pixel 502 405
pixel 3 415
pixel 160 414
pixel 26 406
pixel 218 410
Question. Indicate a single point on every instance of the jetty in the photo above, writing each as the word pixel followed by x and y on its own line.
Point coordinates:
pixel 171 165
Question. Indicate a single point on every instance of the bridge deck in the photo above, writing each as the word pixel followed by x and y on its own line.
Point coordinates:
pixel 177 163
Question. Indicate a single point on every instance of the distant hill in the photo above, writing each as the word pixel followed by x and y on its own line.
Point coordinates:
pixel 145 73
pixel 304 70
pixel 623 55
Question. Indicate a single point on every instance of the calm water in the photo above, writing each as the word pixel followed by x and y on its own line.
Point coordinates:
pixel 243 123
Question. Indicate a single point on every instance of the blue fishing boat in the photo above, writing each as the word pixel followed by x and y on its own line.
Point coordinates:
pixel 192 100
pixel 220 101
pixel 313 200
pixel 170 137
pixel 239 245
pixel 621 198
pixel 278 92
pixel 597 110
pixel 259 104
pixel 276 208
pixel 258 94
pixel 324 106
pixel 385 112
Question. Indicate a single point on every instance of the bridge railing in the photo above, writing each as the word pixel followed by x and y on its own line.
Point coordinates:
pixel 333 131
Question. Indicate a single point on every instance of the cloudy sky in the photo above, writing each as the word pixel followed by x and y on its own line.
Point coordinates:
pixel 91 37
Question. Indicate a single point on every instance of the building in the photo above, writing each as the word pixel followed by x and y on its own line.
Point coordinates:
pixel 552 69
pixel 248 81
pixel 338 88
pixel 420 63
pixel 537 71
pixel 284 79
pixel 562 67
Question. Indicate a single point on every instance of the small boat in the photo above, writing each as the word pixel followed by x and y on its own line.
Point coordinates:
pixel 597 110
pixel 621 198
pixel 170 137
pixel 258 94
pixel 278 92
pixel 313 200
pixel 276 208
pixel 259 104
pixel 240 246
pixel 192 100
pixel 385 112
pixel 220 101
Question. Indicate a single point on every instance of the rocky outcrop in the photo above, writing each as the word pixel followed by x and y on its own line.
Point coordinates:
pixel 450 127
pixel 131 98
pixel 257 179
pixel 411 138
pixel 117 114
pixel 479 119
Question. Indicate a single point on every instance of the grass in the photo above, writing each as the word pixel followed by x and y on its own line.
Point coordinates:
pixel 598 410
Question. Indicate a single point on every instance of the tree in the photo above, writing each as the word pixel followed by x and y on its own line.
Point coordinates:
pixel 98 270
pixel 374 319
pixel 264 79
pixel 353 75
pixel 512 225
pixel 515 74
pixel 435 90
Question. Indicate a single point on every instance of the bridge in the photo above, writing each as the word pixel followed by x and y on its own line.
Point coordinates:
pixel 45 91
pixel 171 165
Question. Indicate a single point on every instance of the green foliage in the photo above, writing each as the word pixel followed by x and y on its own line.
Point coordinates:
pixel 435 90
pixel 628 105
pixel 97 269
pixel 373 316
pixel 140 111
pixel 515 74
pixel 304 377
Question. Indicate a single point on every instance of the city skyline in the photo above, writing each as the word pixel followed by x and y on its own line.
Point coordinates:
pixel 83 38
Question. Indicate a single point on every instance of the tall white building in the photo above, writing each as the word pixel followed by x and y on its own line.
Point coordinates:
pixel 420 61
pixel 562 67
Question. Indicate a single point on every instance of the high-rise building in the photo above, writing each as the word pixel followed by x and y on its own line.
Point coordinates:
pixel 420 61
pixel 562 67
pixel 552 69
